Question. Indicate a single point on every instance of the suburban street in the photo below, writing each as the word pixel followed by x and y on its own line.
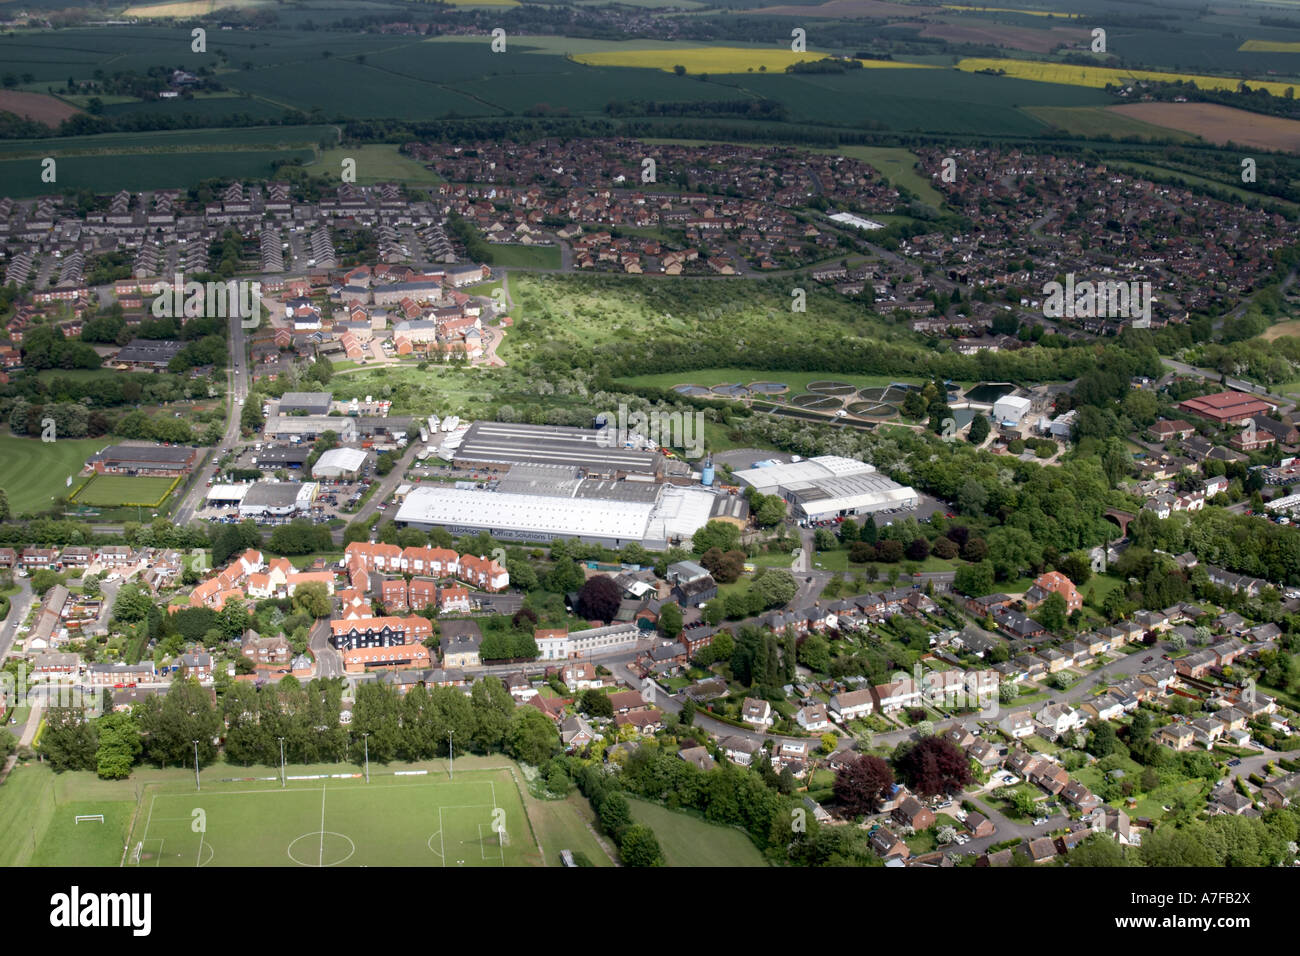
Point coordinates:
pixel 237 379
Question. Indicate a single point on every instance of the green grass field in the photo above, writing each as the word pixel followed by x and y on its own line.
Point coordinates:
pixel 525 257
pixel 33 472
pixel 376 163
pixel 898 166
pixel 1091 121
pixel 797 381
pixel 689 841
pixel 110 491
pixel 408 820
pixel 398 819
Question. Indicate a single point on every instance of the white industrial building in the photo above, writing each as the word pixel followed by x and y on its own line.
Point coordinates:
pixel 226 495
pixel 654 518
pixel 277 499
pixel 829 486
pixel 339 463
pixel 1010 409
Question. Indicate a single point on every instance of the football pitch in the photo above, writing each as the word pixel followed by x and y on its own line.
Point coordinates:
pixel 414 818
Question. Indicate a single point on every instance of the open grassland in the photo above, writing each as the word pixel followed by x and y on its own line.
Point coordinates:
pixel 898 166
pixel 525 257
pixel 1100 76
pixel 796 381
pixel 1094 121
pixel 376 163
pixel 719 59
pixel 687 840
pixel 111 491
pixel 1290 327
pixel 1218 124
pixel 33 473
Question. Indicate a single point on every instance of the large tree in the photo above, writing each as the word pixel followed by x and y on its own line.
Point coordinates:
pixel 599 598
pixel 531 736
pixel 863 784
pixel 934 765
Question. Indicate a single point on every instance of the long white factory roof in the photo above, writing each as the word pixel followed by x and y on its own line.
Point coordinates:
pixel 543 514
pixel 810 469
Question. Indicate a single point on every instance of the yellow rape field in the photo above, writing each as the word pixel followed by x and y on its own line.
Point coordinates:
pixel 187 8
pixel 719 59
pixel 1100 76
pixel 1268 46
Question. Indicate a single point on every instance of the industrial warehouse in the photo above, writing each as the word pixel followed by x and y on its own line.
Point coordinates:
pixel 829 487
pixel 499 446
pixel 656 517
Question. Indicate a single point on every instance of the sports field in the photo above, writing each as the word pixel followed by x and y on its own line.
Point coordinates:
pixel 415 818
pixel 111 491
pixel 33 473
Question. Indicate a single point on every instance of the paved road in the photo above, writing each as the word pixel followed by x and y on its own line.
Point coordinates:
pixel 237 389
pixel 329 662
pixel 387 485
pixel 19 605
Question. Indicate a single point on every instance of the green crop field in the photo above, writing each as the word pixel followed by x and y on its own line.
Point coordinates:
pixel 20 178
pixel 416 820
pixel 689 841
pixel 111 491
pixel 1092 121
pixel 33 473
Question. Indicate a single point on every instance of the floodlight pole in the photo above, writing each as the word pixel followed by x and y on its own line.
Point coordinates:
pixel 365 740
pixel 281 739
pixel 197 786
pixel 451 756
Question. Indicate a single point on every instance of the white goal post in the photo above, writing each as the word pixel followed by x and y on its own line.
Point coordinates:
pixel 90 818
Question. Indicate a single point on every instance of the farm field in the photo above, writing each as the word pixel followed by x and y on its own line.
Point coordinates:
pixel 719 59
pixel 111 491
pixel 20 178
pixel 687 840
pixel 33 472
pixel 1090 121
pixel 376 163
pixel 1218 124
pixel 40 107
pixel 253 137
pixel 1099 76
pixel 188 8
